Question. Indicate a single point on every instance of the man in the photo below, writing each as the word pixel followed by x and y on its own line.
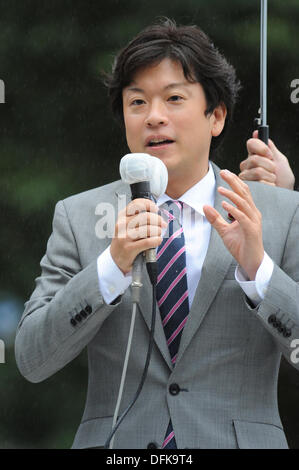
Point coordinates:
pixel 212 380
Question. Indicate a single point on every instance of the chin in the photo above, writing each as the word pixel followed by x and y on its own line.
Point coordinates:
pixel 168 159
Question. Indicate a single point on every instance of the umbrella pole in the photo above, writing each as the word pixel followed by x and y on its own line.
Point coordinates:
pixel 263 128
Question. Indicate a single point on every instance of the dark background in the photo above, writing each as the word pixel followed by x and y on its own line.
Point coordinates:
pixel 58 138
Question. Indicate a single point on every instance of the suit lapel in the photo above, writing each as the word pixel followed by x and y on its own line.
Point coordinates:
pixel 215 267
pixel 146 310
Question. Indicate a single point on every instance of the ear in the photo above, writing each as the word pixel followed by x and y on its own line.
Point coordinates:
pixel 218 119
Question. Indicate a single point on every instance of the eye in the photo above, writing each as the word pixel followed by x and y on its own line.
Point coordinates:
pixel 175 98
pixel 137 102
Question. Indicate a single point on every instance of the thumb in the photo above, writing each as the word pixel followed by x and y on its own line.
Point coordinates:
pixel 277 154
pixel 215 219
pixel 272 145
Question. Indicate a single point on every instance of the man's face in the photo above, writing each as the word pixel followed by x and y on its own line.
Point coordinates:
pixel 165 117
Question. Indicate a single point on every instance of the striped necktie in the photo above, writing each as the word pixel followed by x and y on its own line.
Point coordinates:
pixel 172 289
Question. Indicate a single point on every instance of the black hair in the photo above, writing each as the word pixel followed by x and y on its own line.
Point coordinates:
pixel 191 47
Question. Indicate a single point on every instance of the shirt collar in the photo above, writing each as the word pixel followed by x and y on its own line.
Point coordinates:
pixel 198 195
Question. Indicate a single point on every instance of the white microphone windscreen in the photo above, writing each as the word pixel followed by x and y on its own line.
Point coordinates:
pixel 137 167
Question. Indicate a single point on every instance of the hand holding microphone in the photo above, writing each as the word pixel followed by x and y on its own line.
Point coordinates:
pixel 139 226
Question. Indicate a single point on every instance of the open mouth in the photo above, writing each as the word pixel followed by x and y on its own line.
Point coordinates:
pixel 160 143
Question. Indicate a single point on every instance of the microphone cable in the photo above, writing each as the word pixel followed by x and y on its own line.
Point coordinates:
pixel 152 270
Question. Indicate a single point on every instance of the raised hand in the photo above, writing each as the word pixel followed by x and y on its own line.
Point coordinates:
pixel 243 237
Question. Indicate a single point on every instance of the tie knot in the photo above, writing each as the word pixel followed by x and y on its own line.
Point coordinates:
pixel 175 208
pixel 171 203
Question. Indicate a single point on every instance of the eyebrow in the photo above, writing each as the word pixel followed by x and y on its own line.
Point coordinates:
pixel 167 87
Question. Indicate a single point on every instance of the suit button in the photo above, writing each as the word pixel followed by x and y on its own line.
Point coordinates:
pixel 83 314
pixel 88 309
pixel 281 328
pixel 78 317
pixel 174 389
pixel 152 445
pixel 277 324
pixel 272 319
pixel 73 322
pixel 287 333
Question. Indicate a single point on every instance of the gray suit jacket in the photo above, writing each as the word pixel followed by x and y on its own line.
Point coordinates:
pixel 229 356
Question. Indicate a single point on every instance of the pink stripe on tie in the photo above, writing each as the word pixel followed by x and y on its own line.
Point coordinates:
pixel 171 263
pixel 177 331
pixel 178 204
pixel 172 285
pixel 175 307
pixel 168 214
pixel 168 438
pixel 174 235
pixel 173 360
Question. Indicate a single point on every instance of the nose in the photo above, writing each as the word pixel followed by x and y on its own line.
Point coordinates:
pixel 157 116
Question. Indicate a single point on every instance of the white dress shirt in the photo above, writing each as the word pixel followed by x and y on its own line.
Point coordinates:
pixel 197 231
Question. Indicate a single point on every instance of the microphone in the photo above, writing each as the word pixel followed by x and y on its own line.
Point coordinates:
pixel 148 178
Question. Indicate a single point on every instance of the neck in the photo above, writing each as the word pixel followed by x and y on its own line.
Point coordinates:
pixel 178 185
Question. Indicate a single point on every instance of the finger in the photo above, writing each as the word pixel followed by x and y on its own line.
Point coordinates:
pixel 254 161
pixel 236 184
pixel 267 182
pixel 239 187
pixel 141 205
pixel 258 147
pixel 238 215
pixel 137 246
pixel 241 203
pixel 258 174
pixel 144 231
pixel 272 145
pixel 136 206
pixel 215 219
pixel 124 223
pixel 147 243
pixel 146 218
pixel 277 154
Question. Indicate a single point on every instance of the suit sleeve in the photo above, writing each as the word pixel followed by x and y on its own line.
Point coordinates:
pixel 279 310
pixel 65 310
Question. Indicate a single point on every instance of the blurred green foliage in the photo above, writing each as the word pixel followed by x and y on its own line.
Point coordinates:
pixel 58 138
